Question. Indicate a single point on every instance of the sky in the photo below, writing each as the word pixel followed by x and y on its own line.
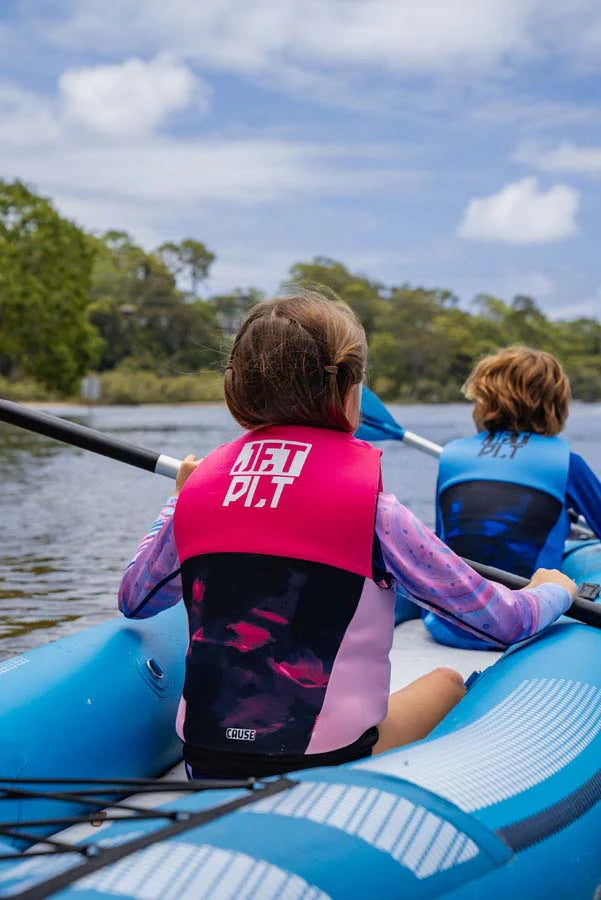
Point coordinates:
pixel 440 143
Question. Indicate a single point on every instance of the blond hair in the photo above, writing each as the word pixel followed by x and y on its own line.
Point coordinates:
pixel 293 362
pixel 519 389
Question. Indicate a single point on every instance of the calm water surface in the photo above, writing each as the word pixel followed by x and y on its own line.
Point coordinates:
pixel 70 520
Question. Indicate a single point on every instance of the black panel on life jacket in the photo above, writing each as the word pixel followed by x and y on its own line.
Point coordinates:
pixel 264 634
pixel 498 523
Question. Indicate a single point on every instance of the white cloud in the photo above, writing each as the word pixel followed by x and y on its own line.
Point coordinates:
pixel 323 49
pixel 398 35
pixel 520 213
pixel 190 172
pixel 566 157
pixel 535 113
pixel 157 187
pixel 130 98
pixel 450 36
pixel 153 186
pixel 118 102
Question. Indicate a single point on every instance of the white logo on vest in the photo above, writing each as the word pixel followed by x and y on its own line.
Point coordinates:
pixel 262 471
pixel 240 734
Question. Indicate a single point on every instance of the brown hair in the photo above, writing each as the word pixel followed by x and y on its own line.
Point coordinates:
pixel 293 362
pixel 519 389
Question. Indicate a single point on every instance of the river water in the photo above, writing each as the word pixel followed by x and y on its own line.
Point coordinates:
pixel 70 520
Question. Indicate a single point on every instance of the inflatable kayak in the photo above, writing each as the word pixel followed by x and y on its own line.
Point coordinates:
pixel 502 797
pixel 100 703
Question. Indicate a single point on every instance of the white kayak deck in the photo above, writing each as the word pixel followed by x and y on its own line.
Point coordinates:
pixel 414 653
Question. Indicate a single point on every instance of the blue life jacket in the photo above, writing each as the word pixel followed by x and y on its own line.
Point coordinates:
pixel 501 501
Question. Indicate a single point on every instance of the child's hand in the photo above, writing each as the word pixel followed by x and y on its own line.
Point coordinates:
pixel 553 576
pixel 185 470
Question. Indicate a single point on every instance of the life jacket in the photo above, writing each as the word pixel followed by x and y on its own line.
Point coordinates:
pixel 289 633
pixel 501 501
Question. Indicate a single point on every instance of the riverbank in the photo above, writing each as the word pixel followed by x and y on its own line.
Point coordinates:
pixel 127 388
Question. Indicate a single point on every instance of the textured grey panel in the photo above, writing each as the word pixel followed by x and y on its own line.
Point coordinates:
pixel 539 728
pixel 182 871
pixel 416 838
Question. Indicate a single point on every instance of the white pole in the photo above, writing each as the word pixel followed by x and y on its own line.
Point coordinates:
pixel 420 443
pixel 167 465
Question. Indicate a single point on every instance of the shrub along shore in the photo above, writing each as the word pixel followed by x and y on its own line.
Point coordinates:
pixel 127 388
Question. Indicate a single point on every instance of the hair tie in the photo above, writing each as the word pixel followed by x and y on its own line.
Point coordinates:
pixel 229 368
pixel 333 370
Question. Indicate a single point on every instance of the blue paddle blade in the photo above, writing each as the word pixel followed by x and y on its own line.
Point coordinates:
pixel 377 424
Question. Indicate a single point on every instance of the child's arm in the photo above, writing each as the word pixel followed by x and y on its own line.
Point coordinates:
pixel 438 579
pixel 152 581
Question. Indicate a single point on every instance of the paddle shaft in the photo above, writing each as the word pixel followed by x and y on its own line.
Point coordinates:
pixel 87 438
pixel 581 609
pixel 396 433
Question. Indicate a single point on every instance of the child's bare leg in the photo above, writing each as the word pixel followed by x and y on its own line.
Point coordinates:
pixel 417 708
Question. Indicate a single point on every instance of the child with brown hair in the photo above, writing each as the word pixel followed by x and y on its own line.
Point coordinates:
pixel 285 549
pixel 503 494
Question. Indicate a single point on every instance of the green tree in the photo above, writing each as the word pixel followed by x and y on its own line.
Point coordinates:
pixel 189 258
pixel 361 294
pixel 141 314
pixel 45 268
pixel 579 346
pixel 518 322
pixel 422 351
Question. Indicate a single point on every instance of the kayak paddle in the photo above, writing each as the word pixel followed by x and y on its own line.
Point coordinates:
pixel 377 424
pixel 87 439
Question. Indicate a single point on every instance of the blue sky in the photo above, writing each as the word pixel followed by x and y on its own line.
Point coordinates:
pixel 445 143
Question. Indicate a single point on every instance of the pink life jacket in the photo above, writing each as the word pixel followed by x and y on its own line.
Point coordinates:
pixel 289 634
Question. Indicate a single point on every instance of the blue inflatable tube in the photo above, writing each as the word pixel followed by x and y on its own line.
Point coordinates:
pixel 582 561
pixel 100 703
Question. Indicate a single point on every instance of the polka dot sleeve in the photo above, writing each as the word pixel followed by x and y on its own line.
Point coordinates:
pixel 436 578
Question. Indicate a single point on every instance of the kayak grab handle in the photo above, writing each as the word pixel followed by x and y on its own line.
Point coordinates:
pixel 583 608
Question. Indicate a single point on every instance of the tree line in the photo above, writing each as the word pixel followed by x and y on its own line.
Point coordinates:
pixel 73 302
